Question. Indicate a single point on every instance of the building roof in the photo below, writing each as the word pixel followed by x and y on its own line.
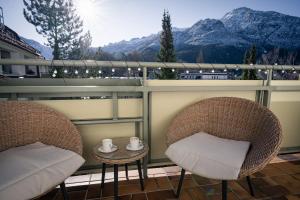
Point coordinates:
pixel 11 37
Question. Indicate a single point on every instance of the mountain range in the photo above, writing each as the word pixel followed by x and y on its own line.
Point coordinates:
pixel 222 40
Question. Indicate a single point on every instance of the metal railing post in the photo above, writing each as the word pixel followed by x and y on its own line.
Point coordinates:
pixel 145 129
pixel 267 93
pixel 144 75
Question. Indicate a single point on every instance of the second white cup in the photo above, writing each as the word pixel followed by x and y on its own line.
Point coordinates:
pixel 134 142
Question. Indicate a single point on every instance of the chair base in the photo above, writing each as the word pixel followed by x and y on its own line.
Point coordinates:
pixel 250 186
pixel 180 182
pixel 64 191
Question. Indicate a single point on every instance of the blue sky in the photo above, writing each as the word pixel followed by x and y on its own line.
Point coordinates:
pixel 116 20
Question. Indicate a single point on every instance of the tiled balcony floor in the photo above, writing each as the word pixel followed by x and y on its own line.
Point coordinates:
pixel 280 180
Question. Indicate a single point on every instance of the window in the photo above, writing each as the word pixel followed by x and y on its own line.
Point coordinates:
pixel 30 70
pixel 6 69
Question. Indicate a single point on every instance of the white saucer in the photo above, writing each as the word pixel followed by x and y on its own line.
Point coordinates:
pixel 114 148
pixel 128 147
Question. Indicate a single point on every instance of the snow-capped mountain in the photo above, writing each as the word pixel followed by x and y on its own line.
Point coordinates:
pixel 268 27
pixel 135 44
pixel 44 50
pixel 239 28
pixel 216 40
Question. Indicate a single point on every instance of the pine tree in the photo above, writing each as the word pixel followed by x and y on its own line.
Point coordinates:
pixel 81 48
pixel 250 58
pixel 57 21
pixel 167 51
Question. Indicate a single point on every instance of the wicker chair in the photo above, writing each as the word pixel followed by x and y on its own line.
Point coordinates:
pixel 23 123
pixel 236 119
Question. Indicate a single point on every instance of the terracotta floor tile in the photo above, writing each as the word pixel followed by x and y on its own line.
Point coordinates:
pixel 239 190
pixel 129 182
pixel 278 181
pixel 161 195
pixel 163 183
pixel 188 181
pixel 140 196
pixel 150 185
pixel 204 181
pixel 289 182
pixel 297 176
pixel 288 167
pixel 230 196
pixel 185 195
pixel 129 189
pixel 108 190
pixel 212 189
pixel 293 197
pixel 196 193
pixel 50 195
pixel 257 183
pixel 126 197
pixel 270 170
pixel 78 195
pixel 298 161
pixel 77 188
pixel 270 181
pixel 93 191
pixel 274 191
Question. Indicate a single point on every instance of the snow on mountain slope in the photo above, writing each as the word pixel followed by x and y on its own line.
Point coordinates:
pixel 240 27
pixel 264 27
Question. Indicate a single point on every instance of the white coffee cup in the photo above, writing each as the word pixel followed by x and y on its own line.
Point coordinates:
pixel 135 142
pixel 107 145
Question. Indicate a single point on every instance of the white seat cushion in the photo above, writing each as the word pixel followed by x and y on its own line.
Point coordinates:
pixel 209 156
pixel 33 169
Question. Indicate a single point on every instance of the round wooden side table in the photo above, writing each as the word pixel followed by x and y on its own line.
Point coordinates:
pixel 119 157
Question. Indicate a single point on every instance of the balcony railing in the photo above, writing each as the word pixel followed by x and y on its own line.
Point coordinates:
pixel 116 107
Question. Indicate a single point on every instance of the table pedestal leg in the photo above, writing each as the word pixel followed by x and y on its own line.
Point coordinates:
pixel 138 162
pixel 126 171
pixel 115 181
pixel 103 175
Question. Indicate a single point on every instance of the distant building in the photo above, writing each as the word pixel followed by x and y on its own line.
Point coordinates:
pixel 12 47
pixel 205 76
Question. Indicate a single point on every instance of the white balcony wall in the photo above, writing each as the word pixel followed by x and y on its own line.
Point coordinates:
pixel 165 105
pixel 286 106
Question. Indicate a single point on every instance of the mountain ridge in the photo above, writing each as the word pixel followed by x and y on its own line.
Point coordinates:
pixel 240 28
pixel 223 40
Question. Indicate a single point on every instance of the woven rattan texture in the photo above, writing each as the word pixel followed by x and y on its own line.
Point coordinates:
pixel 232 118
pixel 24 122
